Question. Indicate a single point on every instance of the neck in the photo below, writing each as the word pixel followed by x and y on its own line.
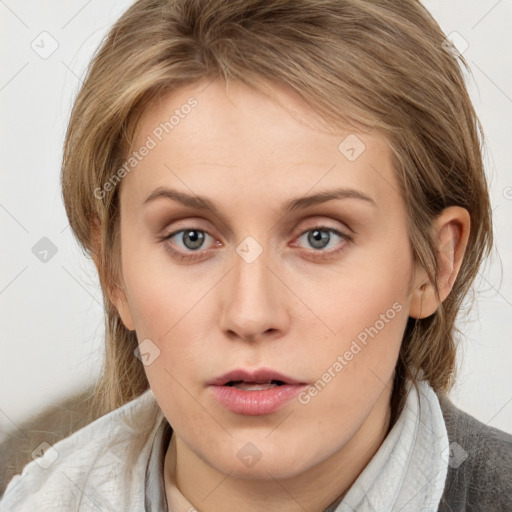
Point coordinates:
pixel 314 490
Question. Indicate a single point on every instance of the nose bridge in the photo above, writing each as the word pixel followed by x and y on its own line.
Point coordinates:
pixel 253 303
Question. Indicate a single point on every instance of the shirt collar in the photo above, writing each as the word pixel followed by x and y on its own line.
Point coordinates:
pixel 409 470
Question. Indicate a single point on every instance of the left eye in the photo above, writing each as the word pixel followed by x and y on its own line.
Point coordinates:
pixel 320 237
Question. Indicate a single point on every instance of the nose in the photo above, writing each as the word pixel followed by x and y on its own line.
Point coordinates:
pixel 254 305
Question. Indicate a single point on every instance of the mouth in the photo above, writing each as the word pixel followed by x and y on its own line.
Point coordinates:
pixel 258 392
pixel 247 379
pixel 254 386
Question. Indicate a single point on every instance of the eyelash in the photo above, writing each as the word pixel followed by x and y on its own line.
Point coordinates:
pixel 193 256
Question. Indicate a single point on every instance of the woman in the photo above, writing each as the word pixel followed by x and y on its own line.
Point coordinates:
pixel 286 205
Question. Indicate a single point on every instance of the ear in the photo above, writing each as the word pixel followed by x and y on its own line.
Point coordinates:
pixel 115 292
pixel 451 230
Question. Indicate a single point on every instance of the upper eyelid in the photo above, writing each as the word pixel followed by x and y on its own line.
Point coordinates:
pixel 343 226
pixel 300 232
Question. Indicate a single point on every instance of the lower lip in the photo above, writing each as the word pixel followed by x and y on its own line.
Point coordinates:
pixel 254 403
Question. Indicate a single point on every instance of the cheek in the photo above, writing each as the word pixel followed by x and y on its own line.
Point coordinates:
pixel 366 296
pixel 162 295
pixel 367 314
pixel 357 362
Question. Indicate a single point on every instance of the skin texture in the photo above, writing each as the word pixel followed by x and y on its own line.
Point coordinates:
pixel 295 308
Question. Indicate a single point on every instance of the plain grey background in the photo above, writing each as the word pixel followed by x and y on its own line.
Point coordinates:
pixel 52 319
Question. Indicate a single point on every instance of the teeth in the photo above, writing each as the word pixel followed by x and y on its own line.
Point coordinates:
pixel 254 386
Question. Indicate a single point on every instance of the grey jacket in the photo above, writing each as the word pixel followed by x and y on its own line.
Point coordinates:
pixel 480 466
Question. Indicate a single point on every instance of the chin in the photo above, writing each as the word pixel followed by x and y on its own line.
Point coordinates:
pixel 269 469
pixel 264 460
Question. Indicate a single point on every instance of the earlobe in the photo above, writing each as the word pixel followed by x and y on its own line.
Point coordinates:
pixel 120 301
pixel 451 229
pixel 424 301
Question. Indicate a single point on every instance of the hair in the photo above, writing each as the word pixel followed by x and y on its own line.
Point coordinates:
pixel 382 64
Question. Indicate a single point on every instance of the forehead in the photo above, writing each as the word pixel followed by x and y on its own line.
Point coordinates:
pixel 209 138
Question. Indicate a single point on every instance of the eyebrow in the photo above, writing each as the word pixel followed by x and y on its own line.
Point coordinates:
pixel 202 203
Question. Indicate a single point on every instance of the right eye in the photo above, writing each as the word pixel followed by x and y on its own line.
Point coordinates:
pixel 191 239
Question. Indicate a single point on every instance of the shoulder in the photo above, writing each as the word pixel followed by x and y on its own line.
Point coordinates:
pixel 480 464
pixel 94 467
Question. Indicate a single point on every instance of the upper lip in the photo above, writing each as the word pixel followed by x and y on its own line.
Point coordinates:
pixel 261 375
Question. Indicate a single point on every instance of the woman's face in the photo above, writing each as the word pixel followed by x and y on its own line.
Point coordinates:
pixel 270 272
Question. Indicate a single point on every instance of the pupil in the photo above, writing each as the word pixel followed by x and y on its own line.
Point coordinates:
pixel 195 239
pixel 318 239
